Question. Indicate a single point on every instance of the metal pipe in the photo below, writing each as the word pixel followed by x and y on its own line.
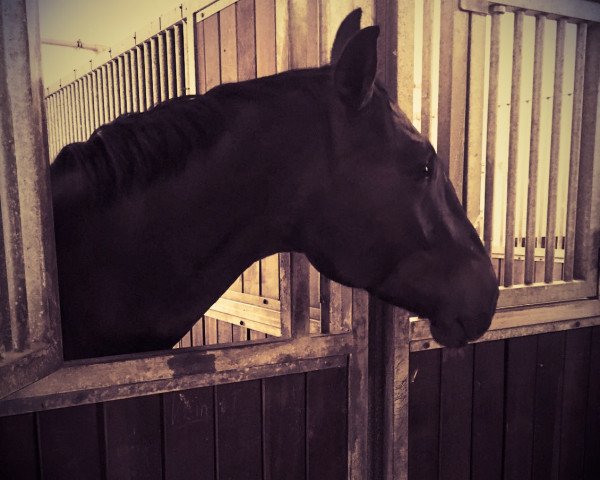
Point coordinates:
pixel 78 44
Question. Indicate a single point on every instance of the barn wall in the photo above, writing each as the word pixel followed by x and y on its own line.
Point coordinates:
pixel 526 407
pixel 287 427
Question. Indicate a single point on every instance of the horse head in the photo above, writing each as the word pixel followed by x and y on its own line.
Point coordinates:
pixel 388 219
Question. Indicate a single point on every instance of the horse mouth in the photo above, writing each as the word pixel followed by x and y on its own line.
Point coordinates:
pixel 454 334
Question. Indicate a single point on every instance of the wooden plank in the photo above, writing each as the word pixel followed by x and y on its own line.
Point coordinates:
pixel 239 430
pixel 210 331
pixel 18 444
pixel 189 436
pixel 555 150
pixel 155 70
pixel 69 443
pixel 163 66
pixel 534 151
pixel 282 40
pixel 455 412
pixel 269 278
pixel 492 132
pixel 488 411
pixel 109 91
pixel 179 52
pixel 265 37
pixel 313 287
pixel 585 261
pixel 147 83
pixel 548 405
pixel 592 417
pixel 246 41
pixel 326 424
pixel 228 43
pixel 198 333
pixel 424 415
pixel 116 87
pixel 294 293
pixel 519 407
pixel 141 78
pixel 574 403
pixel 200 58
pixel 513 145
pixel 133 438
pixel 313 35
pixel 358 389
pixel 224 332
pixel 284 426
pixel 427 67
pixel 127 79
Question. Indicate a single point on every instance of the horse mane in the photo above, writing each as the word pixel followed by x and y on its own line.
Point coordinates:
pixel 137 148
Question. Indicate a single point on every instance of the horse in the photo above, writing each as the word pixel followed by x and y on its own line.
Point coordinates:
pixel 157 213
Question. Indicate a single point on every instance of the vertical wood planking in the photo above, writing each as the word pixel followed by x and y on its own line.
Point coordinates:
pixel 18 444
pixel 210 331
pixel 534 151
pixel 576 125
pixel 228 44
pixel 189 434
pixel 424 415
pixel 224 332
pixel 488 410
pixel 574 402
pixel 129 81
pixel 212 51
pixel 105 97
pixel 548 406
pixel 141 78
pixel 555 150
pixel 200 58
pixel 492 131
pixel 69 439
pixel 284 426
pixel 294 268
pixel 282 18
pixel 326 424
pixel 313 35
pixel 455 412
pixel 116 86
pixel 239 430
pixel 519 406
pixel 265 37
pixel 513 145
pixel 110 91
pixel 269 278
pixel 592 416
pixel 122 83
pixel 246 41
pixel 133 438
pixel 98 106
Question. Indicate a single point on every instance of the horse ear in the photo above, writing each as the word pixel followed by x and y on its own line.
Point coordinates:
pixel 354 73
pixel 349 27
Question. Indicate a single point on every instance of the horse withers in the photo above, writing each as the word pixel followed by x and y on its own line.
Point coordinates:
pixel 159 212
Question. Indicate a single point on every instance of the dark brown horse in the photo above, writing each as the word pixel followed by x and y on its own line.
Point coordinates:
pixel 159 212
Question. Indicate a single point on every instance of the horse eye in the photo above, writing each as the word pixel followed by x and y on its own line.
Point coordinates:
pixel 427 170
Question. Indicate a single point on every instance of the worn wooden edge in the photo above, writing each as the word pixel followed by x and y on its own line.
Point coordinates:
pixel 573 9
pixel 520 322
pixel 538 293
pixel 132 375
pixel 53 400
pixel 19 369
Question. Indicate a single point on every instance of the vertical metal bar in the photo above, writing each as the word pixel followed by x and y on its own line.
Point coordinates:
pixel 116 87
pixel 147 83
pixel 50 111
pixel 60 119
pixel 96 85
pixel 69 113
pixel 492 130
pixel 163 79
pixel 106 95
pixel 534 150
pixel 427 60
pixel 580 50
pixel 513 146
pixel 141 77
pixel 554 149
pixel 155 71
pixel 170 62
pixel 110 92
pixel 128 80
pixel 133 62
pixel 81 109
pixel 180 72
pixel 122 84
pixel 86 105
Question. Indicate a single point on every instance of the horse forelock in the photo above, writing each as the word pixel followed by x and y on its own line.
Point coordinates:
pixel 137 148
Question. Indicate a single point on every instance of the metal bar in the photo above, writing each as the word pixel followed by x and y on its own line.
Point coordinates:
pixel 554 150
pixel 80 110
pixel 580 50
pixel 139 100
pixel 105 95
pixel 149 94
pixel 85 91
pixel 180 72
pixel 127 77
pixel 155 71
pixel 513 145
pixel 116 87
pixel 534 151
pixel 163 78
pixel 122 84
pixel 427 61
pixel 96 96
pixel 78 44
pixel 112 100
pixel 170 62
pixel 50 111
pixel 68 116
pixel 492 130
